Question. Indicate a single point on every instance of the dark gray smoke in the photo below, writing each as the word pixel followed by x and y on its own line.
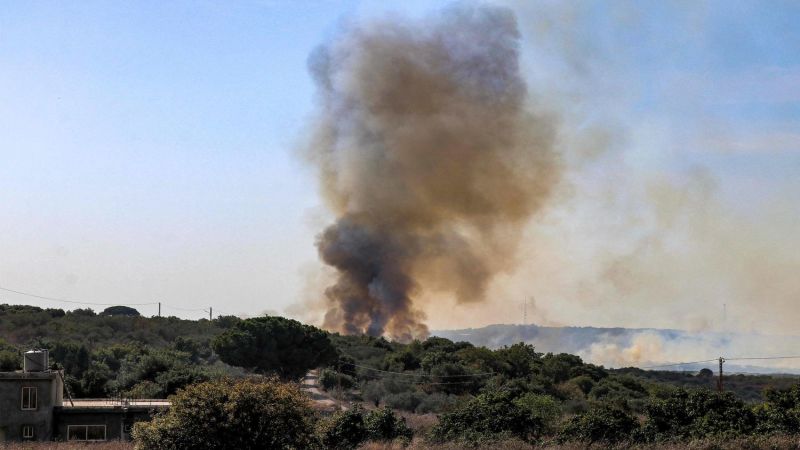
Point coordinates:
pixel 431 158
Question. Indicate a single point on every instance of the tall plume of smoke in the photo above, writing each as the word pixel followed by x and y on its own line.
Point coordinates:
pixel 432 160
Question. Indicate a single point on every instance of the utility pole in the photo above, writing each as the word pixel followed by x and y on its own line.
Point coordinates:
pixel 719 381
pixel 159 309
pixel 210 309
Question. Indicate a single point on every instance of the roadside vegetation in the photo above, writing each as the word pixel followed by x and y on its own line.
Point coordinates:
pixel 230 374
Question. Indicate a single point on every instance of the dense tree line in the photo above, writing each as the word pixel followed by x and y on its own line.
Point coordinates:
pixel 479 394
pixel 213 415
pixel 119 353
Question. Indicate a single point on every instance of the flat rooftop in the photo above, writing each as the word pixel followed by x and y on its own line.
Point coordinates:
pixel 113 403
pixel 20 375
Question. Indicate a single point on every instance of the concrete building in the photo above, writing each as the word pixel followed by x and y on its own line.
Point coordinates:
pixel 33 408
pixel 27 404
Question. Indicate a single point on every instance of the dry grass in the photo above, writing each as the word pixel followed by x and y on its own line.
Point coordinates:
pixel 420 423
pixel 750 443
pixel 67 446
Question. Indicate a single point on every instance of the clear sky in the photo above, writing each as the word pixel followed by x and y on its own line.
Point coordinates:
pixel 148 149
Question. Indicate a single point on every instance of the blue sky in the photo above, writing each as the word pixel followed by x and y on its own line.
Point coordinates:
pixel 147 149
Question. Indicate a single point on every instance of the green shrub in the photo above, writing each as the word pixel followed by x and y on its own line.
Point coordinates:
pixel 406 401
pixel 584 382
pixel 698 414
pixel 10 361
pixel 602 424
pixel 436 402
pixel 383 425
pixel 331 379
pixel 225 414
pixel 347 430
pixel 491 415
pixel 541 408
pixel 344 430
pixel 780 413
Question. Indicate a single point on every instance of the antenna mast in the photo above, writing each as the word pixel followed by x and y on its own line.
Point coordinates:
pixel 525 312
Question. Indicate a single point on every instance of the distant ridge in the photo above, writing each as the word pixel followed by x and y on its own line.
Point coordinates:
pixel 642 347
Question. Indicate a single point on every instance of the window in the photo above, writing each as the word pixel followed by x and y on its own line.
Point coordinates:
pixel 86 432
pixel 27 432
pixel 30 398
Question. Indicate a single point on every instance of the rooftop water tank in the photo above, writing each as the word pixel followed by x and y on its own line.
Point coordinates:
pixel 36 361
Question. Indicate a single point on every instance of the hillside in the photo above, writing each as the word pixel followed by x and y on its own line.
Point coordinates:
pixel 110 355
pixel 25 325
pixel 644 347
pixel 153 357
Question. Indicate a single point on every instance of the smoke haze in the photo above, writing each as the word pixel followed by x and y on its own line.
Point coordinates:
pixel 434 154
pixel 431 159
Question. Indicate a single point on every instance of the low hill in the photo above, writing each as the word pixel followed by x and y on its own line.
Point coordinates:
pixel 27 325
pixel 646 347
pixel 153 357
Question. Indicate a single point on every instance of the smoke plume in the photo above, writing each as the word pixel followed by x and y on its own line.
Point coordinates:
pixel 432 159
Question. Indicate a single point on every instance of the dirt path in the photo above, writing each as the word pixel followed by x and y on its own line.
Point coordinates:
pixel 321 399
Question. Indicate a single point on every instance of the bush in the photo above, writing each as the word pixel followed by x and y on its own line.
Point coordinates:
pixel 225 414
pixel 781 412
pixel 698 414
pixel 406 401
pixel 344 430
pixel 10 361
pixel 541 408
pixel 383 425
pixel 330 379
pixel 347 430
pixel 489 416
pixel 436 402
pixel 602 424
pixel 584 382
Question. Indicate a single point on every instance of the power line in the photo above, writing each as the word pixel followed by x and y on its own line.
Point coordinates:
pixel 420 375
pixel 677 364
pixel 419 382
pixel 427 383
pixel 762 358
pixel 748 358
pixel 178 308
pixel 74 302
pixel 82 302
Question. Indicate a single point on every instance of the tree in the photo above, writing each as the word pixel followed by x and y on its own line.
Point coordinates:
pixel 224 414
pixel 120 310
pixel 275 345
pixel 705 373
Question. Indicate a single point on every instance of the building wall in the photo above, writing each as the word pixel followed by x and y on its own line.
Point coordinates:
pixel 51 418
pixel 117 420
pixel 13 418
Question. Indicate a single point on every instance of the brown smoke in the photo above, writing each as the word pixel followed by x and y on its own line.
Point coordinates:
pixel 432 160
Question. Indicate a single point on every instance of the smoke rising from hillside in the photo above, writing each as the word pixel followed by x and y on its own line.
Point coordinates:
pixel 431 159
